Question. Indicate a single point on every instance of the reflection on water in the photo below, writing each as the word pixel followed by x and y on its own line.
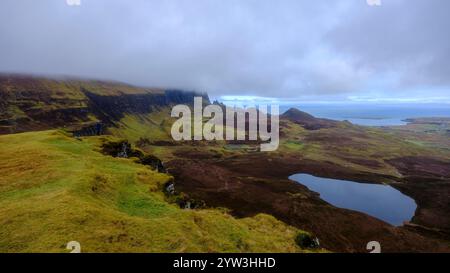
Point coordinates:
pixel 381 201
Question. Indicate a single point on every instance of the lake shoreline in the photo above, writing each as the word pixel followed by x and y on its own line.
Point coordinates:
pixel 378 200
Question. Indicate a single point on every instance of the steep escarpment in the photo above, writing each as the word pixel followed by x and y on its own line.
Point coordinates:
pixel 115 107
pixel 33 103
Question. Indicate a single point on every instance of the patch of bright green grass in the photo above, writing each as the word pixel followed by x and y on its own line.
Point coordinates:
pixel 153 126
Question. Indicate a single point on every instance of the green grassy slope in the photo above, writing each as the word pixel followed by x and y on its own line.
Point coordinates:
pixel 55 189
pixel 154 126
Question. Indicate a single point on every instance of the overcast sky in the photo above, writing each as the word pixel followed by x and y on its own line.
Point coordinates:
pixel 312 50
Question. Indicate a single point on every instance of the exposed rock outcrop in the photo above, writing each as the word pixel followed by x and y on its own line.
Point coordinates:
pixel 96 129
pixel 124 149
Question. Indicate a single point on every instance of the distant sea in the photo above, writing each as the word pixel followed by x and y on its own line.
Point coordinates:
pixel 372 114
pixel 360 113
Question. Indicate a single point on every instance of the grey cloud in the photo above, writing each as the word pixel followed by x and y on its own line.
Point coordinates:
pixel 407 38
pixel 289 48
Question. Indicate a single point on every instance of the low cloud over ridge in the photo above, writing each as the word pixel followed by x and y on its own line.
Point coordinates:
pixel 288 48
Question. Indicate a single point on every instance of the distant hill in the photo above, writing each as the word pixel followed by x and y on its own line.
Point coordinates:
pixel 308 121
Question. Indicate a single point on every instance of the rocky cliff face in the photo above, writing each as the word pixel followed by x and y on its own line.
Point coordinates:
pixel 29 103
pixel 114 107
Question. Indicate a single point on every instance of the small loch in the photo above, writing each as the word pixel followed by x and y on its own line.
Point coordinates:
pixel 381 201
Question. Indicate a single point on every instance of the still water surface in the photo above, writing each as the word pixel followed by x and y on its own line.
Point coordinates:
pixel 381 201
